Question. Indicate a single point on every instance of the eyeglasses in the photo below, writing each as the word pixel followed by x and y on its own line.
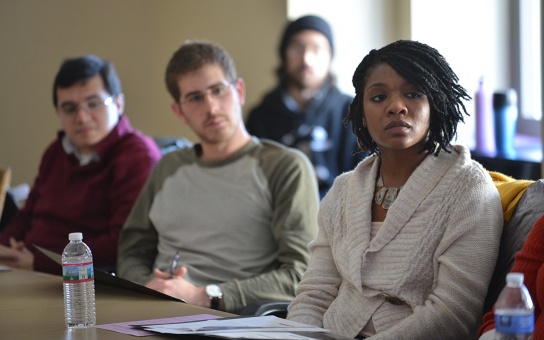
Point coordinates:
pixel 91 106
pixel 195 101
pixel 299 49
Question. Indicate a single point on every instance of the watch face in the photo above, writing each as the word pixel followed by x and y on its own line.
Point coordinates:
pixel 214 291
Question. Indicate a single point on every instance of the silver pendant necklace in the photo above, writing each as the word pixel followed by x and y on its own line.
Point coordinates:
pixel 385 195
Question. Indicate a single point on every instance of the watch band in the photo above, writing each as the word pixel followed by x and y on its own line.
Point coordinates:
pixel 214 303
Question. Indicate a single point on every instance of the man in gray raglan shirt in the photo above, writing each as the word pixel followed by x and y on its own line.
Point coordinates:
pixel 238 211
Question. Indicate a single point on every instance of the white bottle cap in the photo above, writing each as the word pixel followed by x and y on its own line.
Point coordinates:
pixel 75 236
pixel 514 278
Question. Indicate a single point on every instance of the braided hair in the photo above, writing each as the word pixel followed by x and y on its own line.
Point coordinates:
pixel 424 67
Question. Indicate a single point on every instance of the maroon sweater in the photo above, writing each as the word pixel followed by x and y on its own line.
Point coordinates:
pixel 94 199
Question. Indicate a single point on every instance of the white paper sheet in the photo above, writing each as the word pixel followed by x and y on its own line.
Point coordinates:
pixel 263 327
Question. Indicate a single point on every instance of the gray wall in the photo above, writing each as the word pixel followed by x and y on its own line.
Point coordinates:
pixel 139 36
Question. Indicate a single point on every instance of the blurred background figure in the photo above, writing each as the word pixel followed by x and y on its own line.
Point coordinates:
pixel 305 110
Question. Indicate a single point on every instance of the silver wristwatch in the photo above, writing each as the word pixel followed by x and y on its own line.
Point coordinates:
pixel 215 294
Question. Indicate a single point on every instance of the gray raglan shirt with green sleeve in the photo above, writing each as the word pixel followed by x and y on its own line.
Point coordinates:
pixel 244 223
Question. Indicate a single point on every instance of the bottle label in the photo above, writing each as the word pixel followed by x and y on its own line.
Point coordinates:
pixel 77 272
pixel 515 324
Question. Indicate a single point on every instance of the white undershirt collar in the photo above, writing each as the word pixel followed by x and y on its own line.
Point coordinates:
pixel 84 159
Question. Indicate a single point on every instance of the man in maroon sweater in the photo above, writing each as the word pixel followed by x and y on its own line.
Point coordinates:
pixel 89 177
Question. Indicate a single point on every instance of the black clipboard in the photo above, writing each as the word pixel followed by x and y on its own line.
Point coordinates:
pixel 101 277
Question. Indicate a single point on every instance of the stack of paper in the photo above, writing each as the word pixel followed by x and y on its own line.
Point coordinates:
pixel 262 327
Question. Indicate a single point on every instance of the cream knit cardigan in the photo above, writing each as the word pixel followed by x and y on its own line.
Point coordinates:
pixel 435 251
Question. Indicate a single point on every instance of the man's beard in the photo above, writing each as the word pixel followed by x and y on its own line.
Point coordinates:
pixel 302 83
pixel 298 82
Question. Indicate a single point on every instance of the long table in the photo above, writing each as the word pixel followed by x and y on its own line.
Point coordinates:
pixel 32 307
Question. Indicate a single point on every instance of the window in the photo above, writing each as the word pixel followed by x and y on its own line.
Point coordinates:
pixel 528 38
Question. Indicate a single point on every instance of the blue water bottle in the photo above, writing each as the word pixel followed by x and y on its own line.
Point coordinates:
pixel 505 111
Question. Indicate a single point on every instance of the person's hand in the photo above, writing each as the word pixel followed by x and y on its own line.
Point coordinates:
pixel 16 256
pixel 179 287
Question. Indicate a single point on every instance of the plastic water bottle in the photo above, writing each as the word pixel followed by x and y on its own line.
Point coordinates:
pixel 485 125
pixel 505 111
pixel 78 277
pixel 514 311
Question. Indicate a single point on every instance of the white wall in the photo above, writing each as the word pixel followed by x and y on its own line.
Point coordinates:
pixel 358 26
pixel 470 34
pixel 473 38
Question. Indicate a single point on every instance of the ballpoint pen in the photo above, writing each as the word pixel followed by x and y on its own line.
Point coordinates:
pixel 174 264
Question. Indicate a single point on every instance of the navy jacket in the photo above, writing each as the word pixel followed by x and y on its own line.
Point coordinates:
pixel 318 131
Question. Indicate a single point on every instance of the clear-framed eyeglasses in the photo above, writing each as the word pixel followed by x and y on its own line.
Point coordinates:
pixel 194 101
pixel 296 49
pixel 91 106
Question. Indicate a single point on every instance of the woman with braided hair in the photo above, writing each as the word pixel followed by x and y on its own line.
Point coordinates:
pixel 408 240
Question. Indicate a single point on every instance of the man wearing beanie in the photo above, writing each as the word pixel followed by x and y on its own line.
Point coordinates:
pixel 305 110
